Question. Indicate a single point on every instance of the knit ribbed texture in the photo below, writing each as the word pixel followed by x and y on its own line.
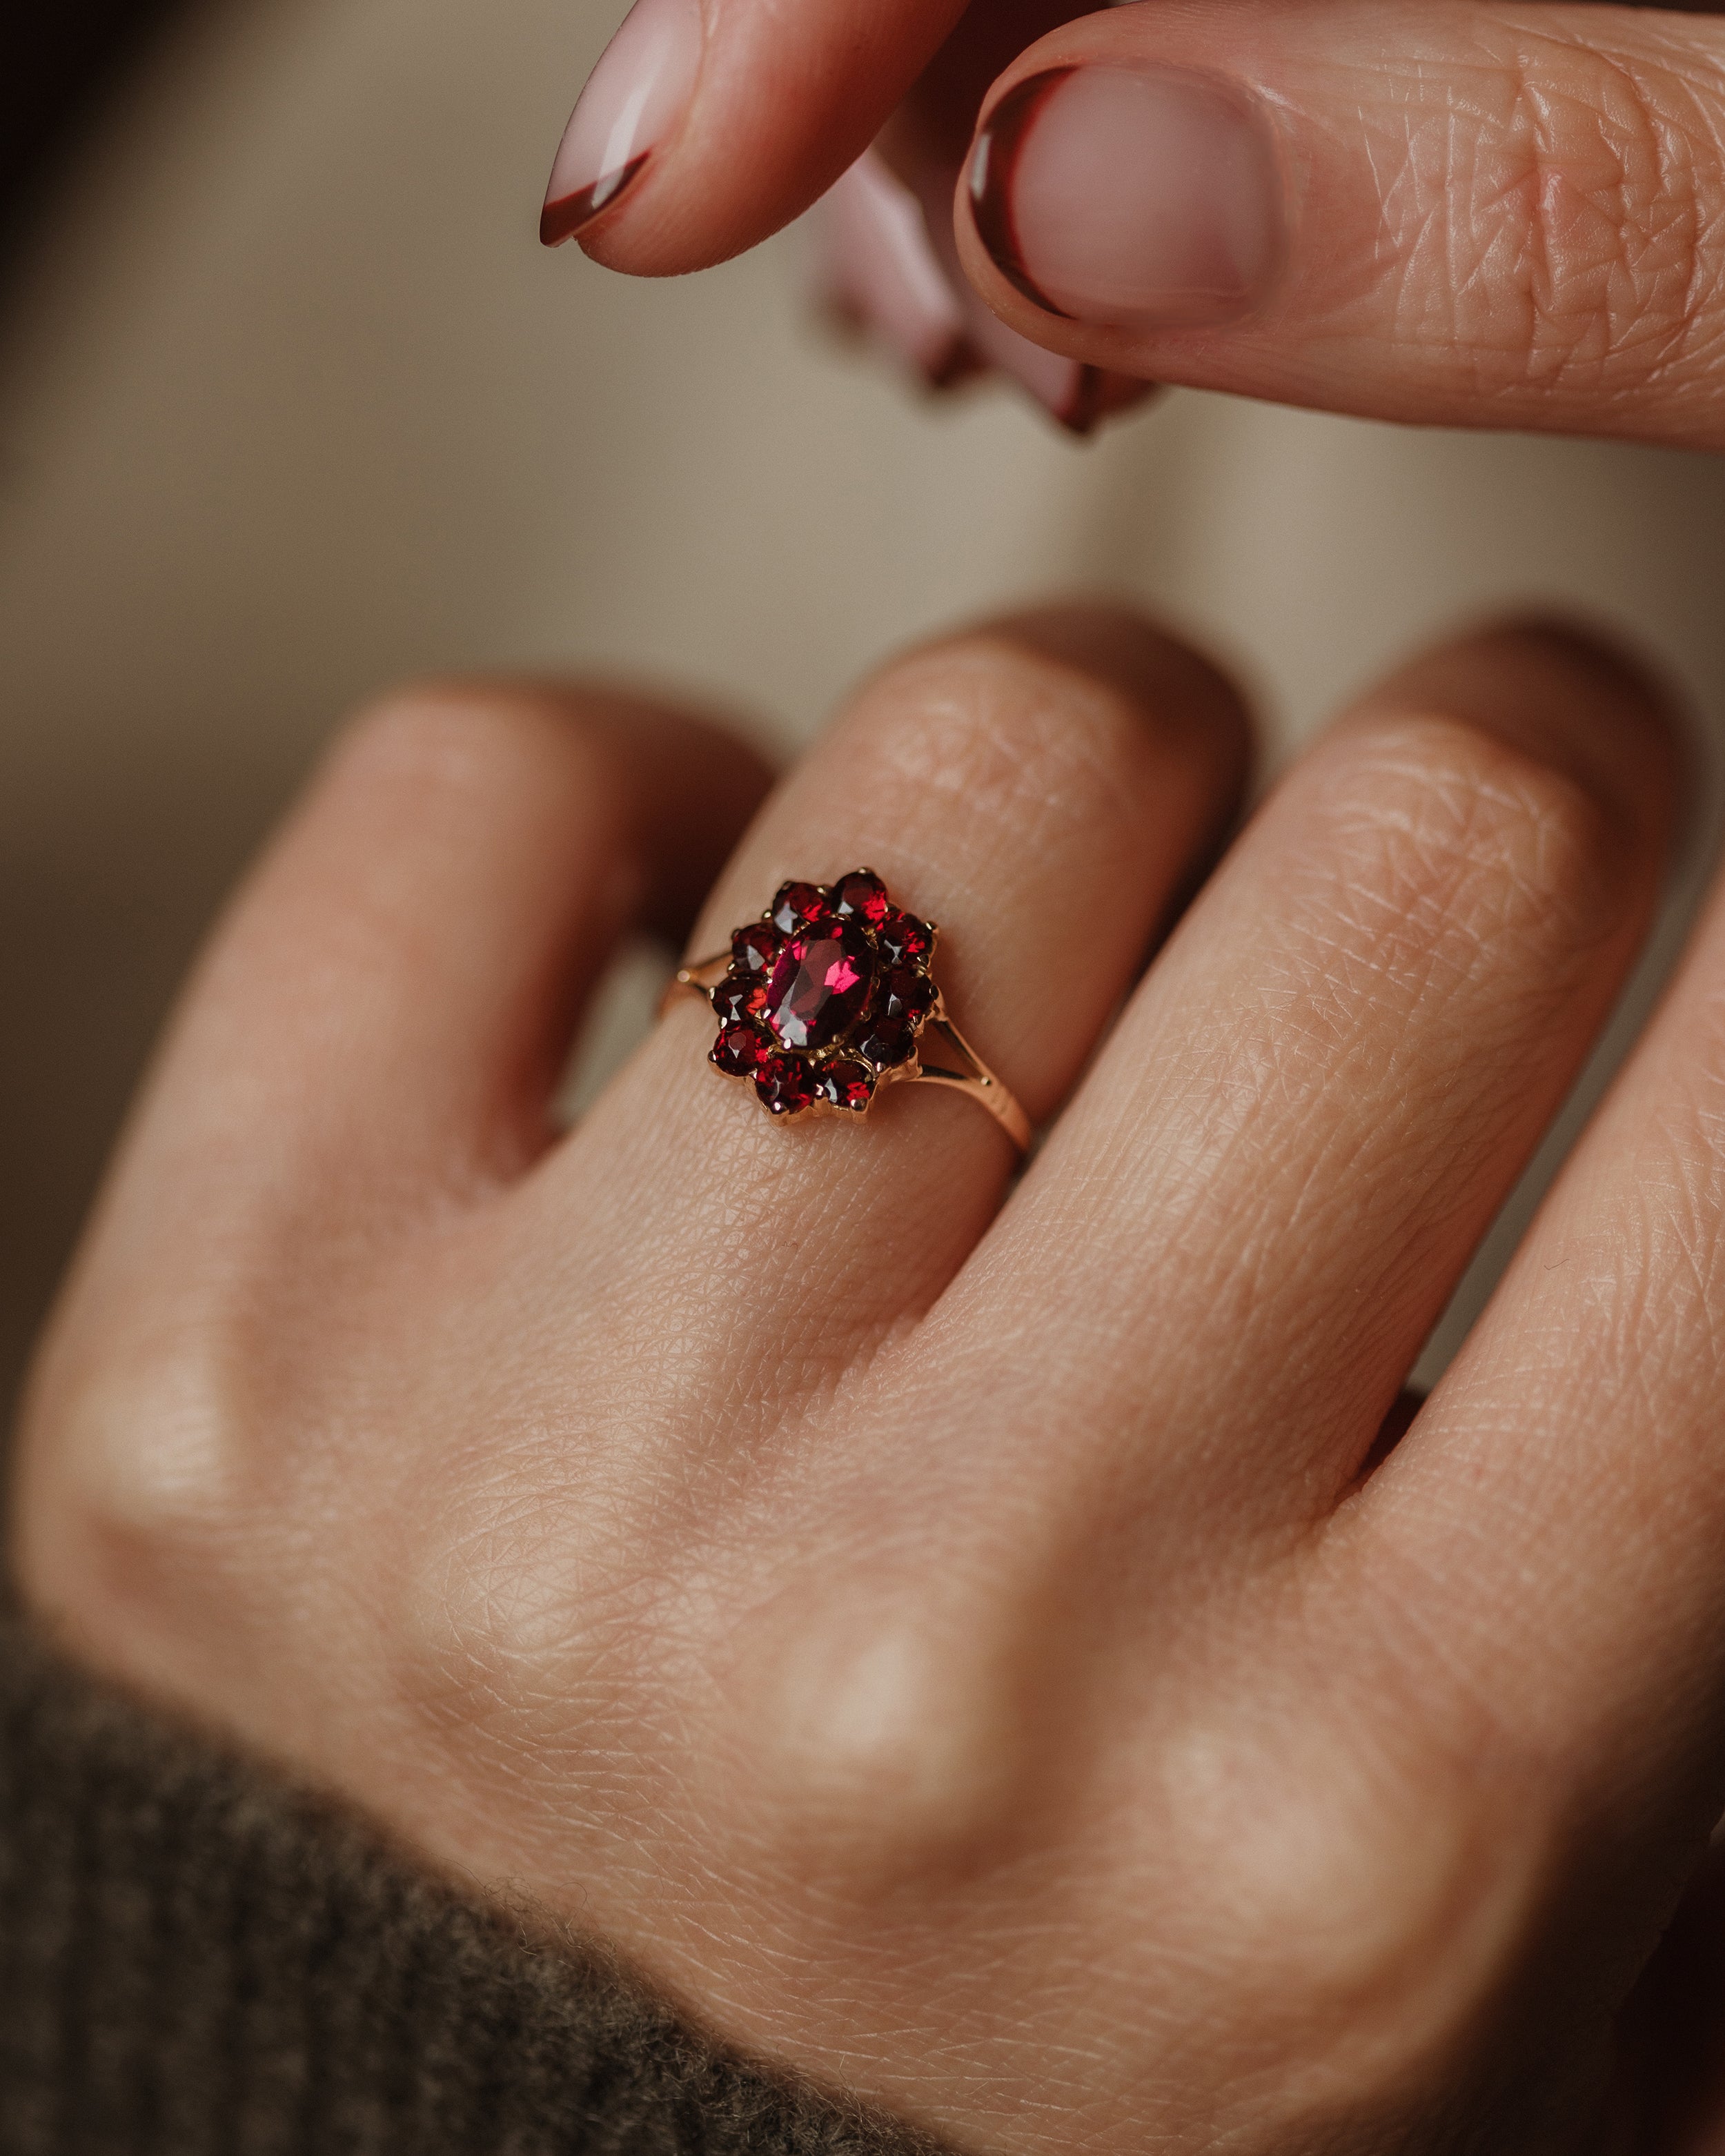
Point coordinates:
pixel 197 1961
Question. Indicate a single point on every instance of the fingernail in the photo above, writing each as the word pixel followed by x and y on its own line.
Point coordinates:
pixel 1105 395
pixel 633 98
pixel 1080 397
pixel 1137 198
pixel 881 267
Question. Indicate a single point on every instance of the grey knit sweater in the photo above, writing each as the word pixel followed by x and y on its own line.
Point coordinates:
pixel 199 1961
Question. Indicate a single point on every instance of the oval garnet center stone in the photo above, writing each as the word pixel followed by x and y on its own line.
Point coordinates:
pixel 820 985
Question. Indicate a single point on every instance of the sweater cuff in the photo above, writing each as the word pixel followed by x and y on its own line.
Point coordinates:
pixel 198 1960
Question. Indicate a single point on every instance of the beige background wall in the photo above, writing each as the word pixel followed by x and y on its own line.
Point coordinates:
pixel 291 403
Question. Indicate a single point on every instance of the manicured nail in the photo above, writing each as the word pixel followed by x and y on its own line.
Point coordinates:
pixel 1079 396
pixel 633 97
pixel 1138 199
pixel 880 268
pixel 883 276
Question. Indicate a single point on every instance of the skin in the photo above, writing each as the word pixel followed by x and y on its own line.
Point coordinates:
pixel 1511 218
pixel 1499 214
pixel 968 1639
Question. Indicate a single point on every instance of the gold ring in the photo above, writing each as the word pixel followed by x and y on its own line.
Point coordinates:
pixel 829 997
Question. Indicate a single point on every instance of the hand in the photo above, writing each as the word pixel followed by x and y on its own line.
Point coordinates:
pixel 887 259
pixel 887 248
pixel 982 1644
pixel 1475 213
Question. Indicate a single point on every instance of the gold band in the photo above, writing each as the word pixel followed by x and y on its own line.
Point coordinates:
pixel 959 1067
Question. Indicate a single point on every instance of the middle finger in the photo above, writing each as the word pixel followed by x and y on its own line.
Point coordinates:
pixel 1271 1182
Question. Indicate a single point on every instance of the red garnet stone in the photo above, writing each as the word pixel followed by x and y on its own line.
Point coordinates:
pixel 785 1085
pixel 740 1049
pixel 844 1083
pixel 818 989
pixel 864 894
pixel 753 949
pixel 825 994
pixel 796 903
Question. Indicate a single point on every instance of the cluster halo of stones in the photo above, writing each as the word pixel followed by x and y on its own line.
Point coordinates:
pixel 825 997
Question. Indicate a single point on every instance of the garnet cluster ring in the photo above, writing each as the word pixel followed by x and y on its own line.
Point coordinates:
pixel 830 997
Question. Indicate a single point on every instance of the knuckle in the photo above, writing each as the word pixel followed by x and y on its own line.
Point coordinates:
pixel 1458 849
pixel 889 1740
pixel 1570 226
pixel 131 1507
pixel 491 1618
pixel 526 1619
pixel 1370 1903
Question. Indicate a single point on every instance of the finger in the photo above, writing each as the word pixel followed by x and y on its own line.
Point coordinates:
pixel 1039 789
pixel 1223 1264
pixel 1486 215
pixel 385 1010
pixel 926 143
pixel 645 178
pixel 1555 1518
pixel 884 274
pixel 879 271
pixel 705 127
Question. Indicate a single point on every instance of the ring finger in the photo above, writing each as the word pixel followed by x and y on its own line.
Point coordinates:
pixel 1041 789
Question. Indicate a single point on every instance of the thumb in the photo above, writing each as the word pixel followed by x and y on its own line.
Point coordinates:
pixel 1488 216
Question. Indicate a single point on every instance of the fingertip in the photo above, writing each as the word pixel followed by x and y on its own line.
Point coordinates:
pixel 1577 695
pixel 747 132
pixel 1175 687
pixel 1102 394
pixel 395 989
pixel 880 272
pixel 685 778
